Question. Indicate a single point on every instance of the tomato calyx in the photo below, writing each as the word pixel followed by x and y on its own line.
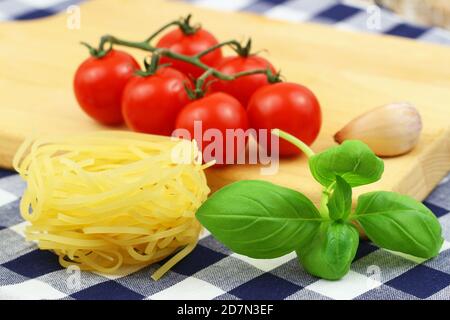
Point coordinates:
pixel 97 52
pixel 243 50
pixel 151 67
pixel 200 88
pixel 185 25
pixel 273 77
pixel 195 93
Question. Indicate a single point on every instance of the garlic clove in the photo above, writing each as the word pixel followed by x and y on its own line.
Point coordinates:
pixel 390 130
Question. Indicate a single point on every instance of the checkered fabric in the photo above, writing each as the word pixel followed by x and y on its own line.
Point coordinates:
pixel 32 9
pixel 211 271
pixel 343 14
pixel 350 15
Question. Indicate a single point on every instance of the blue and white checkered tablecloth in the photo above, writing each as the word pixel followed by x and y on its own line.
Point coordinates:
pixel 211 271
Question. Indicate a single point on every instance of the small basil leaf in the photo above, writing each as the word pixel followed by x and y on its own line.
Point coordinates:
pixel 399 223
pixel 331 251
pixel 353 161
pixel 340 203
pixel 259 219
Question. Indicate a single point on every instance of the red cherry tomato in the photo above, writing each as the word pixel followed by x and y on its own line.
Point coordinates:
pixel 151 104
pixel 190 44
pixel 99 83
pixel 217 111
pixel 287 106
pixel 242 88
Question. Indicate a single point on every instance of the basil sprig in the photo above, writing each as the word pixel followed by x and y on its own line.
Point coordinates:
pixel 340 203
pixel 399 223
pixel 262 220
pixel 352 160
pixel 332 250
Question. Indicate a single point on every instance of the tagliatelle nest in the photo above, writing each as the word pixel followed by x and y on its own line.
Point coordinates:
pixel 105 199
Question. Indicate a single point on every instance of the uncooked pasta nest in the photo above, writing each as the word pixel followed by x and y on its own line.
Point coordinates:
pixel 106 199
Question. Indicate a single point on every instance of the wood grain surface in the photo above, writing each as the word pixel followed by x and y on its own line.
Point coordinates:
pixel 349 72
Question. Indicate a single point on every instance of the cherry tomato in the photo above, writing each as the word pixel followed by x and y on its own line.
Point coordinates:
pixel 151 104
pixel 190 44
pixel 242 88
pixel 99 83
pixel 219 112
pixel 287 106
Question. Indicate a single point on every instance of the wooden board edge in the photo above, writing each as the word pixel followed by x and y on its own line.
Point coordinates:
pixel 430 168
pixel 9 146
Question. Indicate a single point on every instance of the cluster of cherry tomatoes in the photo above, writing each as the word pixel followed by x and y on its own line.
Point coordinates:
pixel 111 89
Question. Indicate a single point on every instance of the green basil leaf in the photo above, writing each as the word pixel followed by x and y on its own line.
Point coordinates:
pixel 399 223
pixel 353 161
pixel 259 219
pixel 340 203
pixel 331 251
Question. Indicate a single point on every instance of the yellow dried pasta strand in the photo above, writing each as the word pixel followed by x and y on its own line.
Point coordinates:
pixel 104 199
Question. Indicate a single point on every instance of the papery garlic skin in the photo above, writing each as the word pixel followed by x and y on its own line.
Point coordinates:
pixel 389 130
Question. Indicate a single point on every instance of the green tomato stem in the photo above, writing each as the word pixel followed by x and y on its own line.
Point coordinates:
pixel 199 91
pixel 164 27
pixel 219 45
pixel 200 80
pixel 194 60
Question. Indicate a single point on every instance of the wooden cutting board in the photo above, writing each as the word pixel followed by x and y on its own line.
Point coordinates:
pixel 349 72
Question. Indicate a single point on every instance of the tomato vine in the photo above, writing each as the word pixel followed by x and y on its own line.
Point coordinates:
pixel 108 41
